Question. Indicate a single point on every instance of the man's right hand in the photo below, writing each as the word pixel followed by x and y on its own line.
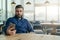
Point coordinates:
pixel 11 30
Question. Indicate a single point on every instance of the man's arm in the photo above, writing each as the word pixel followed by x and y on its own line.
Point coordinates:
pixel 29 27
pixel 8 28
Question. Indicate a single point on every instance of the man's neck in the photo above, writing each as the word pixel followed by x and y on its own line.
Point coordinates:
pixel 19 18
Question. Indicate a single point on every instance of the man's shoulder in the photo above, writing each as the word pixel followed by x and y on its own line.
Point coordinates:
pixel 25 19
pixel 11 18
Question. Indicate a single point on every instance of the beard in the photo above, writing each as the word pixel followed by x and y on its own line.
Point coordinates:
pixel 19 16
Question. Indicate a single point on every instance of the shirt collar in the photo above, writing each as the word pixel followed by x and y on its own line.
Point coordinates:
pixel 18 18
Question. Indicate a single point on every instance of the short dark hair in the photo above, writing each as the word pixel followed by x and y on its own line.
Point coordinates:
pixel 19 6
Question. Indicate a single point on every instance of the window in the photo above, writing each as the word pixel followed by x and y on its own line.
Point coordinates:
pixel 52 13
pixel 29 16
pixel 2 18
pixel 47 12
pixel 40 13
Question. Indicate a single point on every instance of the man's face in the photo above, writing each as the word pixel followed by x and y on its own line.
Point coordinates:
pixel 19 12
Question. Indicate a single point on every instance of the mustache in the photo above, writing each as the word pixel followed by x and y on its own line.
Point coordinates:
pixel 19 16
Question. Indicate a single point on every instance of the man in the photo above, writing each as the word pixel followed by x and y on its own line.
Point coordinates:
pixel 21 25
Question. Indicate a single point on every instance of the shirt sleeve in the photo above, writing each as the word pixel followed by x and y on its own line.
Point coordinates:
pixel 29 27
pixel 6 26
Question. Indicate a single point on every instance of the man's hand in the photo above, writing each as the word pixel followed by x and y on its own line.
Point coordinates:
pixel 11 30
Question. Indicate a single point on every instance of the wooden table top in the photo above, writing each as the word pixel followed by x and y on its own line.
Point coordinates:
pixel 30 37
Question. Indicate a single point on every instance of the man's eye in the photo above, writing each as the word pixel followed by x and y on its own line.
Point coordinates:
pixel 20 10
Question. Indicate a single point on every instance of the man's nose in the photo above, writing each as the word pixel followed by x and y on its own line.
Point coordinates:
pixel 19 12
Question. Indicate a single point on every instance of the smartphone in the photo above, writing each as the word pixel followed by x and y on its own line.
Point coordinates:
pixel 12 26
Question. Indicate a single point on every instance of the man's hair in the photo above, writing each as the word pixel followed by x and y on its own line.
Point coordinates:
pixel 19 6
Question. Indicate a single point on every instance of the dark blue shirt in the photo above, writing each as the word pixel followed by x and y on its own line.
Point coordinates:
pixel 21 25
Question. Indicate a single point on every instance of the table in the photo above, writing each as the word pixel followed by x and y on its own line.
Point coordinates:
pixel 30 37
pixel 53 25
